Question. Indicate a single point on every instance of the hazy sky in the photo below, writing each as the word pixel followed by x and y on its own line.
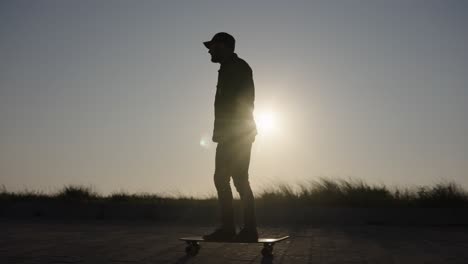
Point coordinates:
pixel 119 94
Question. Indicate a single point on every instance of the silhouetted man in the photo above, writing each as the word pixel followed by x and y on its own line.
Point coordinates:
pixel 234 131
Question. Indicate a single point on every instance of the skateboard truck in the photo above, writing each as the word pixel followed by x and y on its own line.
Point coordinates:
pixel 192 248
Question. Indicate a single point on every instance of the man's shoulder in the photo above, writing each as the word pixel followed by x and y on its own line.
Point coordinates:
pixel 242 65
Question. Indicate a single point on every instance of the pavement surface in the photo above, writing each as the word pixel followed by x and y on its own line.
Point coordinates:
pixel 32 241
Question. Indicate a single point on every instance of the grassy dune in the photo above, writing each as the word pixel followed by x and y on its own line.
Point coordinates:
pixel 321 193
pixel 324 201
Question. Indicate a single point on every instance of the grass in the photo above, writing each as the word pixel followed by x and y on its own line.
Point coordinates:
pixel 280 203
pixel 356 193
pixel 320 193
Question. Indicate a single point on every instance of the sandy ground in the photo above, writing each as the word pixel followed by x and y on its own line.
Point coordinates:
pixel 31 241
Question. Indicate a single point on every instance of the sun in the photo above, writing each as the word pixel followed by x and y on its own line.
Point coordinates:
pixel 266 122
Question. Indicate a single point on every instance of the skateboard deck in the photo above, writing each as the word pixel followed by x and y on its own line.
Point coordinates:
pixel 193 244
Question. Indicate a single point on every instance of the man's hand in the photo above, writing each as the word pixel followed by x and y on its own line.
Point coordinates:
pixel 215 138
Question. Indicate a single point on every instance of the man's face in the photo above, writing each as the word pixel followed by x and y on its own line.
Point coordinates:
pixel 217 51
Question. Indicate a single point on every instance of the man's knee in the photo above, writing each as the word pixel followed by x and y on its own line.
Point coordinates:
pixel 222 181
pixel 242 184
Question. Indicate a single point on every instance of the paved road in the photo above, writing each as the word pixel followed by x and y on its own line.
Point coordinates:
pixel 144 242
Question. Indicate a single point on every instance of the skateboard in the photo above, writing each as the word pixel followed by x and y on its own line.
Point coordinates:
pixel 193 244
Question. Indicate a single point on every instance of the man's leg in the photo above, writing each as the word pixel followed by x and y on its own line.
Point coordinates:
pixel 222 178
pixel 240 170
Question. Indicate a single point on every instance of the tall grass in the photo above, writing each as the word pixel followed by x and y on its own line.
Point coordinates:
pixel 319 193
pixel 356 193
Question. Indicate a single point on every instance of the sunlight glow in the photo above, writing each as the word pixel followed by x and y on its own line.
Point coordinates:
pixel 266 122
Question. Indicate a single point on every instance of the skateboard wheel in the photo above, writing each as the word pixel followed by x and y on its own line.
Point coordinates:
pixel 267 251
pixel 192 250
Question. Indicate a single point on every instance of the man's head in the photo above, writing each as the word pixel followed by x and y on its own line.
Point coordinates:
pixel 220 46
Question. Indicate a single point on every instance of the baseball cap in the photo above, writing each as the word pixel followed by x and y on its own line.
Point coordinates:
pixel 223 37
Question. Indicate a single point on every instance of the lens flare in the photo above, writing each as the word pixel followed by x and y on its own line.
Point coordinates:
pixel 205 141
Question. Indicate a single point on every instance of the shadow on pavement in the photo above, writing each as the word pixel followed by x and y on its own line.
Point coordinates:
pixel 267 260
pixel 183 259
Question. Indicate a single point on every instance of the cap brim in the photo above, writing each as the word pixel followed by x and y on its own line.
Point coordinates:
pixel 207 44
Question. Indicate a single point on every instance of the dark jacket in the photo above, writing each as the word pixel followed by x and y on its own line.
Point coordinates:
pixel 234 102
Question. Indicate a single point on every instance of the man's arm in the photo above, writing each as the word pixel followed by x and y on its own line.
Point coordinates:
pixel 245 93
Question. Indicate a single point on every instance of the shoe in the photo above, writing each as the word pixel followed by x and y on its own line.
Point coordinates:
pixel 221 234
pixel 247 235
